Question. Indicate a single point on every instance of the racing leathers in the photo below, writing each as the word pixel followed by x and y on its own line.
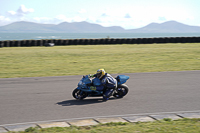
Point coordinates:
pixel 110 84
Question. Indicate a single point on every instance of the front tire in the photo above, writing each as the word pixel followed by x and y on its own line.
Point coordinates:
pixel 121 91
pixel 78 94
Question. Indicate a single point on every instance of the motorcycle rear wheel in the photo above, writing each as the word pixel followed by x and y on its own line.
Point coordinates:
pixel 121 91
pixel 78 94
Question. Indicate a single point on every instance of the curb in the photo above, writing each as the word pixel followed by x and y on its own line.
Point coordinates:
pixel 132 118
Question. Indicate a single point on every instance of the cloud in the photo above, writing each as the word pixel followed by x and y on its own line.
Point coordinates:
pixel 18 15
pixel 61 17
pixel 82 11
pixel 21 12
pixel 12 13
pixel 127 16
pixel 4 20
pixel 58 19
pixel 78 19
pixel 41 19
pixel 104 15
pixel 162 19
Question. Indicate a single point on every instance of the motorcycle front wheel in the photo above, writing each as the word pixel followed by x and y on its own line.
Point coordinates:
pixel 78 94
pixel 121 91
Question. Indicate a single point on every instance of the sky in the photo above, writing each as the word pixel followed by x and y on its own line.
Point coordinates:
pixel 129 14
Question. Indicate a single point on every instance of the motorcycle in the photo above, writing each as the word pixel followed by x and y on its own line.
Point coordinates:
pixel 84 88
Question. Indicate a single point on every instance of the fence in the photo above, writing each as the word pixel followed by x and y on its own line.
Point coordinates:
pixel 64 42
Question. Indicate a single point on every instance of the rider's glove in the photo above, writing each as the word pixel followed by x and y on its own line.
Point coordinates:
pixel 91 75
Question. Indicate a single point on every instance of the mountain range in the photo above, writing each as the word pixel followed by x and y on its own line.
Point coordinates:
pixel 85 27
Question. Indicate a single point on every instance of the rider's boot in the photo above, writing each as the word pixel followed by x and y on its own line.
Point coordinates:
pixel 107 94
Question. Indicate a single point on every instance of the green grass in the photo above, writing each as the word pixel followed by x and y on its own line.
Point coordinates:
pixel 164 126
pixel 81 60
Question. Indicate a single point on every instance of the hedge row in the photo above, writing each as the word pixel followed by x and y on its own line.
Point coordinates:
pixel 63 42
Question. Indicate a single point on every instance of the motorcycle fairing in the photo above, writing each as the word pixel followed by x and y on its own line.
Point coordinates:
pixel 121 79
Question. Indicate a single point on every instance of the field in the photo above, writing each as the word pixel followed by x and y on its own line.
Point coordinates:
pixel 163 126
pixel 82 60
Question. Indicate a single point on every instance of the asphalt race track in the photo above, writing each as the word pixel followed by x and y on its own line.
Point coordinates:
pixel 49 98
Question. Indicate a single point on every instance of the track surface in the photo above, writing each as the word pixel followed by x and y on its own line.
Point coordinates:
pixel 49 98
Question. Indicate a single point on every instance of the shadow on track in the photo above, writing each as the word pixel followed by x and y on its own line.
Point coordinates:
pixel 82 102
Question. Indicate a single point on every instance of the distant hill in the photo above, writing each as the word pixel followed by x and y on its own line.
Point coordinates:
pixel 65 27
pixel 25 27
pixel 167 27
pixel 85 27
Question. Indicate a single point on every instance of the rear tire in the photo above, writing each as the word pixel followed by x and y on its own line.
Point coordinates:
pixel 121 91
pixel 78 94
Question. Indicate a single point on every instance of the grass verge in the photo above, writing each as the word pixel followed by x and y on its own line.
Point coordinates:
pixel 81 60
pixel 163 126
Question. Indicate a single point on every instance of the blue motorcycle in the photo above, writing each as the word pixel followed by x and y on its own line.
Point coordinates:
pixel 84 88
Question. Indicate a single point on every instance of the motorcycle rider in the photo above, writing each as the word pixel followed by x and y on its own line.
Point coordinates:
pixel 109 83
